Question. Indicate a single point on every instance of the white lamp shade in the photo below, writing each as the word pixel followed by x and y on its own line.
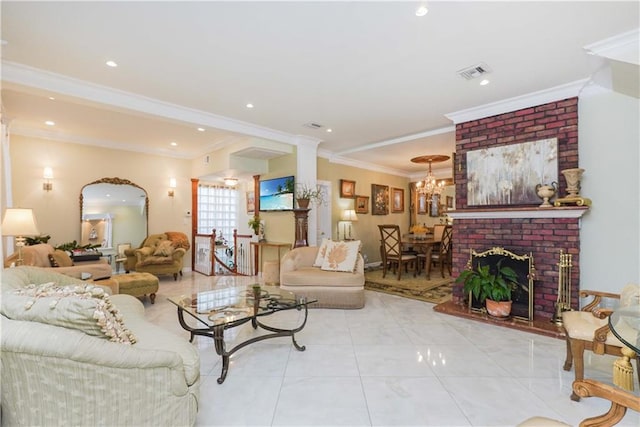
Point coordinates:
pixel 349 215
pixel 172 183
pixel 48 173
pixel 19 222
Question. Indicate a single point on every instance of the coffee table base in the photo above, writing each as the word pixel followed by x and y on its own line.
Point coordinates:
pixel 217 333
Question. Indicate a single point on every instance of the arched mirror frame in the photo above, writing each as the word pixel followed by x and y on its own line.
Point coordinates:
pixel 118 181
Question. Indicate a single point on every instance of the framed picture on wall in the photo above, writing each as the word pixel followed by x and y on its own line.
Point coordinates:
pixel 251 201
pixel 379 199
pixel 397 200
pixel 362 204
pixel 347 189
pixel 422 203
pixel 434 206
pixel 449 202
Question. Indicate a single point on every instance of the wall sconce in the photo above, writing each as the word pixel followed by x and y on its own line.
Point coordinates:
pixel 19 223
pixel 348 216
pixel 47 185
pixel 172 186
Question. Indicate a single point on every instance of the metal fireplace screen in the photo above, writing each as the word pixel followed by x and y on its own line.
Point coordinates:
pixel 522 297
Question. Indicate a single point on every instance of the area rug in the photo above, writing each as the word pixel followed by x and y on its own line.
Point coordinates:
pixel 436 290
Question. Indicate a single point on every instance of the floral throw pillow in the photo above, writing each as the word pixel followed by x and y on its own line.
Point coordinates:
pixel 341 256
pixel 322 251
pixel 84 307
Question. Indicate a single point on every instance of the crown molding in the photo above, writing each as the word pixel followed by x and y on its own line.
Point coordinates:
pixel 337 159
pixel 45 80
pixel 30 132
pixel 622 47
pixel 399 140
pixel 568 90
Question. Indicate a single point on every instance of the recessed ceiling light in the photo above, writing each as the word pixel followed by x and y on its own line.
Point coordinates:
pixel 108 195
pixel 200 129
pixel 112 64
pixel 50 123
pixel 249 105
pixel 174 144
pixel 422 10
pixel 484 82
pixel 52 98
pixel 329 130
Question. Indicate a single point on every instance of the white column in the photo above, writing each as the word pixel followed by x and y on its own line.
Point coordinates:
pixel 307 172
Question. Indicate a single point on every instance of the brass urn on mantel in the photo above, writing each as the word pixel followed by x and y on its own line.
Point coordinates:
pixel 573 176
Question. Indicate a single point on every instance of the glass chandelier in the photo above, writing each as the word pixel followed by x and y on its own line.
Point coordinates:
pixel 429 185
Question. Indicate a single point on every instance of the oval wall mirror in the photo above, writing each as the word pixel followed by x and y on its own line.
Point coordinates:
pixel 113 211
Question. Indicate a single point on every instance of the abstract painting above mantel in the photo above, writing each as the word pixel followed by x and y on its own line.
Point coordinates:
pixel 508 175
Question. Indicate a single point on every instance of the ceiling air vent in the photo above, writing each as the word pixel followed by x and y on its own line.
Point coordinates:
pixel 474 71
pixel 313 125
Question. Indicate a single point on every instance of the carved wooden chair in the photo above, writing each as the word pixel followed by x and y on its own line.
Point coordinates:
pixel 391 251
pixel 440 254
pixel 620 401
pixel 588 329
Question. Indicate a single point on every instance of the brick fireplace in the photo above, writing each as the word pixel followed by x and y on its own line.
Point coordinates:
pixel 543 232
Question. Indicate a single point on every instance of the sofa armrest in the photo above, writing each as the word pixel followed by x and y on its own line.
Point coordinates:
pixel 178 254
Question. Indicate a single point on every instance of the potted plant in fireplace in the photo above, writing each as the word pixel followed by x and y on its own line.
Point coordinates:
pixel 492 286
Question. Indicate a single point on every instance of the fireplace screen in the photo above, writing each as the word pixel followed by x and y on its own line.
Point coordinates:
pixel 522 297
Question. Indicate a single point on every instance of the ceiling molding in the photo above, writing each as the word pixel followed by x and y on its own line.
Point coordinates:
pixel 31 132
pixel 337 159
pixel 568 90
pixel 45 80
pixel 622 47
pixel 399 140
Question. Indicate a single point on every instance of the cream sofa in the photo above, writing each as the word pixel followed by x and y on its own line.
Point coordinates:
pixel 332 289
pixel 38 256
pixel 55 375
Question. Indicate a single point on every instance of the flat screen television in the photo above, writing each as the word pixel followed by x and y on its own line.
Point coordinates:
pixel 277 194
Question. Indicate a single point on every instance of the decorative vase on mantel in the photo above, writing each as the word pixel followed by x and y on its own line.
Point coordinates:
pixel 546 192
pixel 573 177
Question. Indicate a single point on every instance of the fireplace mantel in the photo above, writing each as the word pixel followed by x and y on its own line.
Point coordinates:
pixel 556 212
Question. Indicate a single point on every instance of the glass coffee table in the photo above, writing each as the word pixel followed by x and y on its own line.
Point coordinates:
pixel 220 309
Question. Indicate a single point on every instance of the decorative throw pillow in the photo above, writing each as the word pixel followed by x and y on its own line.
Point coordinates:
pixel 62 258
pixel 164 248
pixel 322 251
pixel 52 261
pixel 84 307
pixel 341 256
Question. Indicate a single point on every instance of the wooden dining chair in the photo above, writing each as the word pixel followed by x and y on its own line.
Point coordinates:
pixel 391 251
pixel 440 254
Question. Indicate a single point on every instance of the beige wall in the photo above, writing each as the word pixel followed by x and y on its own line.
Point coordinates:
pixel 74 165
pixel 366 228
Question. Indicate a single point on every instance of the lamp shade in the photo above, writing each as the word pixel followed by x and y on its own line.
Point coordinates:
pixel 19 222
pixel 349 215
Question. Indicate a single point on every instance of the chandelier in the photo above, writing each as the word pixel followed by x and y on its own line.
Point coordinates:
pixel 429 184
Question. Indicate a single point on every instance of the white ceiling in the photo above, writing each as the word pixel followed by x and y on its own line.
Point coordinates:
pixel 381 78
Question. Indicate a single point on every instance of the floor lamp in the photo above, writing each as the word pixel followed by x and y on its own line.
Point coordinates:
pixel 19 222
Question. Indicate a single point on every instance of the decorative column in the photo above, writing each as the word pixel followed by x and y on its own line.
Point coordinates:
pixel 302 227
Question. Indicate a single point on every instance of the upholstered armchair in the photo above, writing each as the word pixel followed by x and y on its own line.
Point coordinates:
pixel 588 329
pixel 160 254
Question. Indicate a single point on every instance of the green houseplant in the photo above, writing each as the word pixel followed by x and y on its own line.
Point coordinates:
pixel 306 194
pixel 254 223
pixel 491 287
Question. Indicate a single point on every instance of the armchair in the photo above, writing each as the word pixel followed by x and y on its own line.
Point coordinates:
pixel 588 329
pixel 160 254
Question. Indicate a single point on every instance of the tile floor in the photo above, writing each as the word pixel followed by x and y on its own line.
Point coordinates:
pixel 394 363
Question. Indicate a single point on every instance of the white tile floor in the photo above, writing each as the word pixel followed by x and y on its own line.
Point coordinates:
pixel 394 363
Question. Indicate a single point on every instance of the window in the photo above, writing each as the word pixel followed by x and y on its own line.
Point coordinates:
pixel 217 209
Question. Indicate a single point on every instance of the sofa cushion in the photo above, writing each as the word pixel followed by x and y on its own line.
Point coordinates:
pixel 62 258
pixel 341 256
pixel 308 276
pixel 164 248
pixel 156 260
pixel 322 252
pixel 83 306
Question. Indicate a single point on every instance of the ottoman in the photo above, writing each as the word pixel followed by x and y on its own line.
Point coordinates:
pixel 137 284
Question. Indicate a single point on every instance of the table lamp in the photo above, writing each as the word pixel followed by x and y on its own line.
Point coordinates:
pixel 348 216
pixel 19 222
